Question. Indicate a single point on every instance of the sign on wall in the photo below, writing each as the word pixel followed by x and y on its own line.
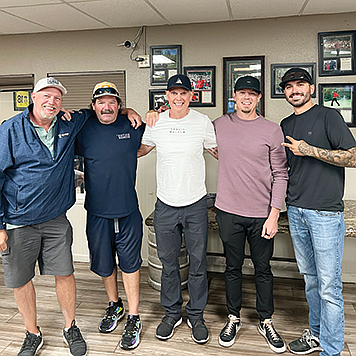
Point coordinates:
pixel 21 100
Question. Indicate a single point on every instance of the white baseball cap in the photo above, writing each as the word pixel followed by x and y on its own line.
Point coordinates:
pixel 49 82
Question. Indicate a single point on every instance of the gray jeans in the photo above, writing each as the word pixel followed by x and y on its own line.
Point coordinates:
pixel 170 222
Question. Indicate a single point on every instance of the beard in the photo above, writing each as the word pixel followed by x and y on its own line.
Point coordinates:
pixel 47 116
pixel 303 100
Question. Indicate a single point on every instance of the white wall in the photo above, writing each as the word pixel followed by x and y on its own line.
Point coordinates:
pixel 285 40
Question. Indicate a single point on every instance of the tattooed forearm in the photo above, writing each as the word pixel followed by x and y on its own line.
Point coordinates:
pixel 340 158
pixel 305 149
pixel 213 151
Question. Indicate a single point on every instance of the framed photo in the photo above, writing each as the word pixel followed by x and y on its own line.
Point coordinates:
pixel 278 70
pixel 236 67
pixel 341 97
pixel 158 98
pixel 337 53
pixel 165 62
pixel 203 84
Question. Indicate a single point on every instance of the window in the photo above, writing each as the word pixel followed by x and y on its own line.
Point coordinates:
pixel 15 93
pixel 80 87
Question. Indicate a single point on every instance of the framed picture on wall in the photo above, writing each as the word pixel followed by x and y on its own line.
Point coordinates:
pixel 236 67
pixel 158 98
pixel 203 84
pixel 165 62
pixel 337 53
pixel 340 96
pixel 278 70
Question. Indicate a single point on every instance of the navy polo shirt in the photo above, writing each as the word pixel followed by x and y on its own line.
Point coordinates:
pixel 110 163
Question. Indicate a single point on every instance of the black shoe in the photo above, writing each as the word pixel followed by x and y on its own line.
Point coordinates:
pixel 31 344
pixel 131 335
pixel 114 312
pixel 307 344
pixel 229 331
pixel 74 339
pixel 274 340
pixel 166 328
pixel 200 333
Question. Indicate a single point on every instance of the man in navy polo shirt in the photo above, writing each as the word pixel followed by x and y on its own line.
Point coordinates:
pixel 109 145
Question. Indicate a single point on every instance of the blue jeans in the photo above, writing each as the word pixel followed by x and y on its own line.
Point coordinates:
pixel 318 239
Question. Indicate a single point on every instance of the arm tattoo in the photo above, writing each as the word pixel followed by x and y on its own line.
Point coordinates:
pixel 339 158
pixel 306 149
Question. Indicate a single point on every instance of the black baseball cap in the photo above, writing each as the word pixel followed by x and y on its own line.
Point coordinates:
pixel 248 82
pixel 295 74
pixel 180 81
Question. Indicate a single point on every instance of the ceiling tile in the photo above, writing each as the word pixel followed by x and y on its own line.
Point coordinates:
pixel 126 13
pixel 76 1
pixel 12 25
pixel 13 3
pixel 66 15
pixel 271 8
pixel 329 7
pixel 59 17
pixel 187 11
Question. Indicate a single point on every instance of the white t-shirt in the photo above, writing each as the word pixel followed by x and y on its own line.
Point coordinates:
pixel 180 161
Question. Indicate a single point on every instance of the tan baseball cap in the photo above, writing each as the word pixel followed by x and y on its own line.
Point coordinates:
pixel 105 88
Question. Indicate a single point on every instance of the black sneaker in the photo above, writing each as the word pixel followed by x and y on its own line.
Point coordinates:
pixel 166 328
pixel 307 344
pixel 31 344
pixel 114 312
pixel 131 335
pixel 74 339
pixel 274 340
pixel 200 333
pixel 229 331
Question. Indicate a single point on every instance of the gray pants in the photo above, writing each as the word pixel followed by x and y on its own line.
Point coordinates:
pixel 170 222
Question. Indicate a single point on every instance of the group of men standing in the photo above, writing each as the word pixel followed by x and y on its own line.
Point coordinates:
pixel 256 156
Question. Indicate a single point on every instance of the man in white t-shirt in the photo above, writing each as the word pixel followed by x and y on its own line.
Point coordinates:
pixel 180 136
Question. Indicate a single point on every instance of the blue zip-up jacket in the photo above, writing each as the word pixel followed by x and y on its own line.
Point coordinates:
pixel 34 186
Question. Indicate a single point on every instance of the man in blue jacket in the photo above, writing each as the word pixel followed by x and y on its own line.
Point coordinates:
pixel 37 188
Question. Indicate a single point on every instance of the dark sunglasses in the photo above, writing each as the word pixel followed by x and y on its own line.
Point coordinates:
pixel 298 75
pixel 102 91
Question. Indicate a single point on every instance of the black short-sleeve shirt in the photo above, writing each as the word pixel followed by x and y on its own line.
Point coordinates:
pixel 314 184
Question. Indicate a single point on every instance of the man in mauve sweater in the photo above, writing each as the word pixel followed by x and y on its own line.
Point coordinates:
pixel 252 182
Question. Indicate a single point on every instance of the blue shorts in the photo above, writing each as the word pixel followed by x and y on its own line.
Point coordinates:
pixel 104 243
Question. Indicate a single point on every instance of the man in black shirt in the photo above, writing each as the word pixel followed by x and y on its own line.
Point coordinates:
pixel 319 146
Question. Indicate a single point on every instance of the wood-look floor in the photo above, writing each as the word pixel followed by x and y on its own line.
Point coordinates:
pixel 290 318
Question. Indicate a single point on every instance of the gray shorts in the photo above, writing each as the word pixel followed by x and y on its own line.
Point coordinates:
pixel 50 243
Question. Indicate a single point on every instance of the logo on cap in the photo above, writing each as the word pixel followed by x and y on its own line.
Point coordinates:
pixel 51 80
pixel 179 81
